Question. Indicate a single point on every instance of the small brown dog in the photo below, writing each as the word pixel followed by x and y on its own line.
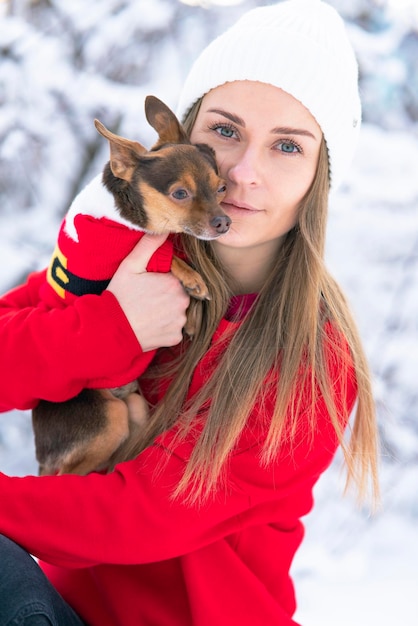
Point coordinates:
pixel 174 187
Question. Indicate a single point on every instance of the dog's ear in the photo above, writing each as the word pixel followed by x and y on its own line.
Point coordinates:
pixel 163 120
pixel 209 154
pixel 124 153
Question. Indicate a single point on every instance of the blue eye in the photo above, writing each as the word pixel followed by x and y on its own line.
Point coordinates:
pixel 180 194
pixel 289 147
pixel 224 130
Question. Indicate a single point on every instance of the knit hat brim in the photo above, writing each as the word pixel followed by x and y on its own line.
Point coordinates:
pixel 300 46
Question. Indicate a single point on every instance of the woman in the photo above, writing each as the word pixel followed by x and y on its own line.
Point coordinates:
pixel 201 525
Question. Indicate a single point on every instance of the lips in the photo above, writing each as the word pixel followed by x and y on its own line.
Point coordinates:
pixel 232 204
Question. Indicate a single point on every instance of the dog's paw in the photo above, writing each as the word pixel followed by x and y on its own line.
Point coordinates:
pixel 196 287
pixel 192 282
pixel 197 290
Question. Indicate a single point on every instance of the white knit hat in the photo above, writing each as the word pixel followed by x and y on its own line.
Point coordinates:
pixel 300 46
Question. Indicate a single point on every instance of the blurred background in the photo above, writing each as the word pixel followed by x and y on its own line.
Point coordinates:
pixel 64 63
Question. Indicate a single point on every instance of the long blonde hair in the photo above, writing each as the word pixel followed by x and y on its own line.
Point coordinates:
pixel 284 330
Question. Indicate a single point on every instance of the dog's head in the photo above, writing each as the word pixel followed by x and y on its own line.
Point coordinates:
pixel 174 187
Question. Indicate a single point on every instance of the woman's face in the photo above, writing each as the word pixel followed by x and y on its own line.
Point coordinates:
pixel 267 146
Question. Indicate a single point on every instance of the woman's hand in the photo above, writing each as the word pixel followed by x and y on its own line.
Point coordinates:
pixel 154 304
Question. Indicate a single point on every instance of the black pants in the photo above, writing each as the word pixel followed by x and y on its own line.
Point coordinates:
pixel 27 598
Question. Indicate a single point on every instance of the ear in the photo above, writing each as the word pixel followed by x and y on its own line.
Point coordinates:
pixel 209 154
pixel 124 154
pixel 163 120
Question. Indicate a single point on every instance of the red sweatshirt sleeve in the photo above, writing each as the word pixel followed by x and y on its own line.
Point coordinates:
pixel 53 354
pixel 128 516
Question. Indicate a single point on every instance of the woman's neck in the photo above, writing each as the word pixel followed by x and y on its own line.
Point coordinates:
pixel 248 267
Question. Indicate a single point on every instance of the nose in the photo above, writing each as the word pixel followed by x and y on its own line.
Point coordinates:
pixel 221 223
pixel 246 168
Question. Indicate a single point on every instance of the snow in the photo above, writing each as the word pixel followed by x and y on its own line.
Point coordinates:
pixel 354 568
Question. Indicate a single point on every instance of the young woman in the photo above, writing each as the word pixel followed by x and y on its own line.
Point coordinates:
pixel 199 522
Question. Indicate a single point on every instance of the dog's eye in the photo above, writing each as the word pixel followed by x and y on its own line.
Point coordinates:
pixel 222 189
pixel 180 194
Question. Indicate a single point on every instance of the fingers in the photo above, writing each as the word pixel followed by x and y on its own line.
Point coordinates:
pixel 154 303
pixel 138 259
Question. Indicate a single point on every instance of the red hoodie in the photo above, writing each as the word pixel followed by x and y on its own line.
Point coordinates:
pixel 117 546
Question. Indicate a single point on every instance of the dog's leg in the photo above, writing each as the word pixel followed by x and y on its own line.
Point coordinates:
pixel 196 287
pixel 79 435
pixel 95 454
pixel 191 280
pixel 194 319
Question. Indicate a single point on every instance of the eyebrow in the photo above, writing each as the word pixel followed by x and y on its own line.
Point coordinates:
pixel 278 130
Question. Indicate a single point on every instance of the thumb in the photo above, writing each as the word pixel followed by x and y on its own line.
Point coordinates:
pixel 139 257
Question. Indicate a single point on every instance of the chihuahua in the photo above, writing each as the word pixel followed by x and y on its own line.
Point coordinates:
pixel 172 188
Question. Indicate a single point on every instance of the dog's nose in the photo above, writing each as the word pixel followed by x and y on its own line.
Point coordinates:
pixel 221 223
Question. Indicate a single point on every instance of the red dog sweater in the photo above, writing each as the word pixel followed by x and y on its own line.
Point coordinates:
pixel 92 242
